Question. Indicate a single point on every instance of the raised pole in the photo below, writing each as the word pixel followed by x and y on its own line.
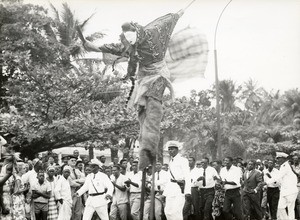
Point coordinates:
pixel 219 146
pixel 152 194
pixel 143 194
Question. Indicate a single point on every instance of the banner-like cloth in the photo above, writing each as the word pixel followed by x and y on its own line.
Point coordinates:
pixel 187 54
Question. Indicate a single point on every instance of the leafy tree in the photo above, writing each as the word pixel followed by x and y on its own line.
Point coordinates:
pixel 55 108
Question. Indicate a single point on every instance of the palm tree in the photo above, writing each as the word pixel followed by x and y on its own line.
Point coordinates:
pixel 252 95
pixel 289 107
pixel 269 105
pixel 65 31
pixel 228 92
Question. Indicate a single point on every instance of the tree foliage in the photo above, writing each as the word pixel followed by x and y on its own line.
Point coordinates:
pixel 48 103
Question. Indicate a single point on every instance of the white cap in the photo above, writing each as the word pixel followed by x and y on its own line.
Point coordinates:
pixel 95 162
pixel 281 154
pixel 67 168
pixel 174 144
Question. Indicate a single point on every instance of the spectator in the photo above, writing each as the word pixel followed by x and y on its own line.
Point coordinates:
pixel 6 180
pixel 165 167
pixel 288 187
pixel 52 180
pixel 63 195
pixel 231 176
pixel 65 160
pixel 134 182
pixel 273 189
pixel 120 197
pixel 95 184
pixel 252 179
pixel 76 179
pixel 161 179
pixel 18 198
pixel 194 174
pixel 76 154
pixel 41 191
pixel 29 179
pixel 179 185
pixel 207 176
pixel 80 165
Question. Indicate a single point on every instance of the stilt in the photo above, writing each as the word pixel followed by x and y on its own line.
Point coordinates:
pixel 143 194
pixel 152 194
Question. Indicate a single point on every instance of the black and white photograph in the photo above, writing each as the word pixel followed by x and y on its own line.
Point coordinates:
pixel 149 110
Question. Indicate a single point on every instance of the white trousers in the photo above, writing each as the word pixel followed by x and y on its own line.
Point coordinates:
pixel 174 207
pixel 101 211
pixel 65 211
pixel 289 203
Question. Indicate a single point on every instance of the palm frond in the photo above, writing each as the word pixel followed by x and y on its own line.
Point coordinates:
pixel 84 23
pixel 55 11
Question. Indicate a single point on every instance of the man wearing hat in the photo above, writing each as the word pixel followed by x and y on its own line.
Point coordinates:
pixel 179 184
pixel 76 179
pixel 100 190
pixel 102 160
pixel 288 187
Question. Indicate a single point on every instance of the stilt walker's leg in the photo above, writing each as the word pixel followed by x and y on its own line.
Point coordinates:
pixel 150 120
pixel 152 206
pixel 143 194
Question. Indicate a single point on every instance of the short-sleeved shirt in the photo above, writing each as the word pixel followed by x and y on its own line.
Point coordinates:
pixel 233 174
pixel 44 188
pixel 120 197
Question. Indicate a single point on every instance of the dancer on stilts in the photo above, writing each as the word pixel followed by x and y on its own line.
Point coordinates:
pixel 145 48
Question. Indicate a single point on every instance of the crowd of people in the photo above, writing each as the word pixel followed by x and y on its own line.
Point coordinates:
pixel 78 188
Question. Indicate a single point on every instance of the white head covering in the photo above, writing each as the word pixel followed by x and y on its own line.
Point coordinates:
pixel 281 154
pixel 176 144
pixel 131 37
pixel 51 168
pixel 95 162
pixel 67 168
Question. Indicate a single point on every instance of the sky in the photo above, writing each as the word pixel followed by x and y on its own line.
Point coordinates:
pixel 257 39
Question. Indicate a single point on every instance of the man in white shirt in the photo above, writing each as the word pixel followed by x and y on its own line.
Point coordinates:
pixel 179 184
pixel 76 179
pixel 207 188
pixel 120 196
pixel 62 194
pixel 100 189
pixel 296 168
pixel 194 174
pixel 29 179
pixel 231 176
pixel 288 187
pixel 41 190
pixel 272 188
pixel 161 179
pixel 135 183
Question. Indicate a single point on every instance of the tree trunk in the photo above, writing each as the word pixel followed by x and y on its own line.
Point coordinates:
pixel 113 154
pixel 127 147
pixel 91 152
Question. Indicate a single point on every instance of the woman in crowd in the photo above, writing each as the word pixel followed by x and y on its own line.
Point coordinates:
pixel 18 199
pixel 7 190
pixel 52 213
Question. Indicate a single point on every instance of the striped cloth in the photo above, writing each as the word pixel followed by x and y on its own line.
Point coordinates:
pixel 52 213
pixel 53 209
pixel 187 54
